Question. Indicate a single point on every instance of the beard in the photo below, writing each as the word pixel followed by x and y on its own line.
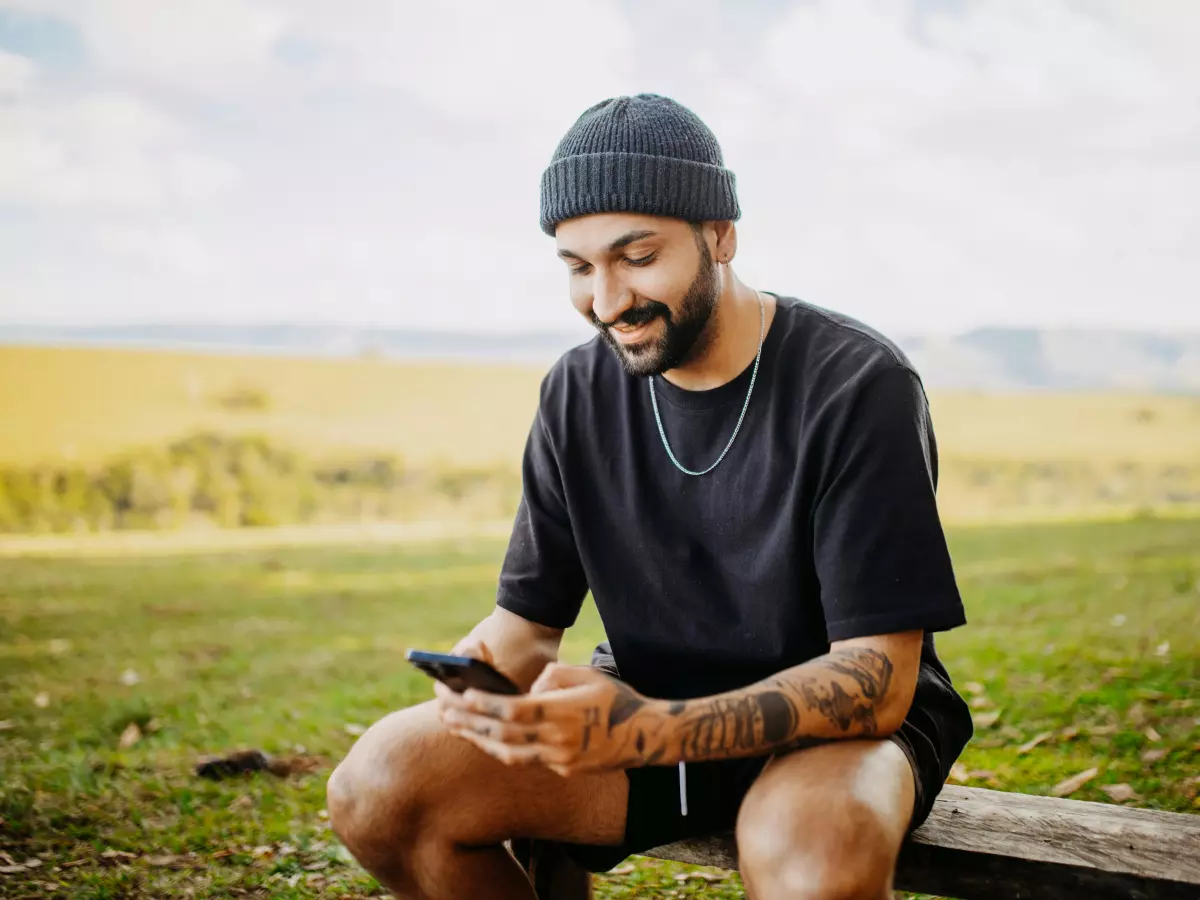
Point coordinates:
pixel 684 333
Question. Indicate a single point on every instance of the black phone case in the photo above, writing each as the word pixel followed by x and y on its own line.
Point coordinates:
pixel 458 676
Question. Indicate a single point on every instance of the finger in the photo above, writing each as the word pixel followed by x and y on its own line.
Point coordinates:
pixel 508 754
pixel 448 698
pixel 557 677
pixel 505 708
pixel 503 732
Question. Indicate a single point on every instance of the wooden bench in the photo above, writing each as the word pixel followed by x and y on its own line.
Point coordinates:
pixel 979 845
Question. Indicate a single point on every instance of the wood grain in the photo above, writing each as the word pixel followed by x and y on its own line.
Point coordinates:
pixel 979 844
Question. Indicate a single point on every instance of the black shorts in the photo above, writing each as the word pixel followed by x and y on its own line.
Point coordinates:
pixel 715 790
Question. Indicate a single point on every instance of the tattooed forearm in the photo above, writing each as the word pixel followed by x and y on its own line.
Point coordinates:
pixel 838 695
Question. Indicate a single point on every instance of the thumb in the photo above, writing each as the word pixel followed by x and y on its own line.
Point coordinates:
pixel 556 677
pixel 475 648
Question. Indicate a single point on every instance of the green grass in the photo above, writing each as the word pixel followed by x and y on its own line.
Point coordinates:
pixel 1090 633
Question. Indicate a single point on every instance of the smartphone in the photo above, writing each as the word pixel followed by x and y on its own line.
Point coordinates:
pixel 461 672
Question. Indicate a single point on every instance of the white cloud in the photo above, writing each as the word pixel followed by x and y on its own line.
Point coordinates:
pixel 99 149
pixel 520 60
pixel 206 47
pixel 16 74
pixel 927 166
pixel 176 248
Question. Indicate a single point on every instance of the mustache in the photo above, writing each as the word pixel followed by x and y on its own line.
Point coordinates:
pixel 635 316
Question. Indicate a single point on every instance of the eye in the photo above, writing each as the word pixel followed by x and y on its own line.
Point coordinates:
pixel 641 260
pixel 579 270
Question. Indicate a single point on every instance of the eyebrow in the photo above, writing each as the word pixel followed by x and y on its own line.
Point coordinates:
pixel 623 241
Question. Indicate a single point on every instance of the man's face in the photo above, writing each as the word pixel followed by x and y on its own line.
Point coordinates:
pixel 648 284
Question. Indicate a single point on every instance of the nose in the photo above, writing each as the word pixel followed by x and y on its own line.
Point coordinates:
pixel 610 298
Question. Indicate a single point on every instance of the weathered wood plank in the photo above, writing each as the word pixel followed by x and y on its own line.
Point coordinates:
pixel 979 844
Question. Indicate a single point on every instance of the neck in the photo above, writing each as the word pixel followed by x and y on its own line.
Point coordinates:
pixel 730 340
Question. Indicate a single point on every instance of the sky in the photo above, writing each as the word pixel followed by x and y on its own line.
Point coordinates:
pixel 925 165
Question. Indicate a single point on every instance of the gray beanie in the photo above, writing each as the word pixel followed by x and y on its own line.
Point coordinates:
pixel 644 154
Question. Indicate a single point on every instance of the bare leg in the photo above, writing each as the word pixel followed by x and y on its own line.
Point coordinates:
pixel 827 822
pixel 427 813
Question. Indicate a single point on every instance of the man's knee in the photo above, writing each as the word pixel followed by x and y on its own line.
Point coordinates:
pixel 379 796
pixel 833 851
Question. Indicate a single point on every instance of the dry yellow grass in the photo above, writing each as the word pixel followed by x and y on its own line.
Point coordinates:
pixel 87 404
pixel 1004 456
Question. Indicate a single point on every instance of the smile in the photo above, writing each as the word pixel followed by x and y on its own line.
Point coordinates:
pixel 631 335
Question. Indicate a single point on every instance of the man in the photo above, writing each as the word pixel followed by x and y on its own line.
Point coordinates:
pixel 745 483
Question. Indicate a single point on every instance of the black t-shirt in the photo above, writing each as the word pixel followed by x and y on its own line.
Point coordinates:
pixel 819 525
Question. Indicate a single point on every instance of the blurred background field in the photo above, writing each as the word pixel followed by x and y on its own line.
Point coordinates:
pixel 97 439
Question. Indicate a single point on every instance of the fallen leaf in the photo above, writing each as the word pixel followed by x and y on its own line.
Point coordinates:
pixel 981 702
pixel 167 860
pixel 973 687
pixel 1069 733
pixel 262 850
pixel 958 772
pixel 11 870
pixel 59 646
pixel 32 863
pixel 354 729
pixel 129 678
pixel 1074 783
pixel 1030 744
pixel 1153 756
pixel 130 736
pixel 300 764
pixel 221 854
pixel 235 763
pixel 7 859
pixel 317 866
pixel 75 862
pixel 6 724
pixel 987 719
pixel 1152 735
pixel 118 854
pixel 153 725
pixel 622 870
pixel 42 700
pixel 1190 786
pixel 1137 714
pixel 699 876
pixel 1120 792
pixel 1102 730
pixel 242 801
pixel 323 814
pixel 1163 649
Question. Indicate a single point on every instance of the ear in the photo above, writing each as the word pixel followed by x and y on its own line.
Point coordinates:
pixel 726 241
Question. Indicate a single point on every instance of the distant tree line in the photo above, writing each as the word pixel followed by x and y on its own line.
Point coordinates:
pixel 242 480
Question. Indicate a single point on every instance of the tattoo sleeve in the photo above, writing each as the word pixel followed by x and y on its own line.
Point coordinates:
pixel 839 695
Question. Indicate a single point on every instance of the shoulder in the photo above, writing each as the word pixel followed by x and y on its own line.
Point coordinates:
pixel 844 371
pixel 823 339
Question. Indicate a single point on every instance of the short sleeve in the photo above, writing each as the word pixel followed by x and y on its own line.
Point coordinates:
pixel 542 578
pixel 879 547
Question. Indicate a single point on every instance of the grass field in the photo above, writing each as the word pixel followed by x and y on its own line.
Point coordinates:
pixel 1083 638
pixel 1008 457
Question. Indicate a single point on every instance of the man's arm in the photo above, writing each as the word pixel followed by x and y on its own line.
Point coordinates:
pixel 579 719
pixel 861 688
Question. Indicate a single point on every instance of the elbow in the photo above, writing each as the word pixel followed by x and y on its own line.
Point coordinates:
pixel 892 713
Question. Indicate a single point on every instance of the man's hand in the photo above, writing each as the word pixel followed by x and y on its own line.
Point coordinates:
pixel 575 719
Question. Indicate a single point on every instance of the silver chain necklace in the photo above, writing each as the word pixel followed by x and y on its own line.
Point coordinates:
pixel 762 331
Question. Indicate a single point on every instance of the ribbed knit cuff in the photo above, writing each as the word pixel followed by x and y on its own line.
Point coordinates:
pixel 636 182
